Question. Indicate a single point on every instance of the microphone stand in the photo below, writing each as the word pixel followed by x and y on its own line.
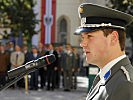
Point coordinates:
pixel 14 80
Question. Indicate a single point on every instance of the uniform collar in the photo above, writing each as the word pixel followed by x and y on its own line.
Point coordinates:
pixel 95 89
pixel 106 72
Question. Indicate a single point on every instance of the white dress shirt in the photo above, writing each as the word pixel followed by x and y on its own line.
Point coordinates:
pixel 108 66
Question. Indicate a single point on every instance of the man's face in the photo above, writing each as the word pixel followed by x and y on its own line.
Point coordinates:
pixel 40 45
pixel 50 47
pixel 2 48
pixel 34 50
pixel 96 46
pixel 17 48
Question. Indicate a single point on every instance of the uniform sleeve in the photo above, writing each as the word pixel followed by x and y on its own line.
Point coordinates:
pixel 123 92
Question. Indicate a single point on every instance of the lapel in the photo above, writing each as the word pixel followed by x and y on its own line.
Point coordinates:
pixel 103 82
pixel 117 67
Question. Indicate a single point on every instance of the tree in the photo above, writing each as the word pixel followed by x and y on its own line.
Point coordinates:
pixel 124 6
pixel 19 16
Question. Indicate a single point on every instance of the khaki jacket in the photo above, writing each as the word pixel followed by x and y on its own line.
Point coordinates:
pixel 17 61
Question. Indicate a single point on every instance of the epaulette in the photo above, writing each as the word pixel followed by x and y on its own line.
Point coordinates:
pixel 125 72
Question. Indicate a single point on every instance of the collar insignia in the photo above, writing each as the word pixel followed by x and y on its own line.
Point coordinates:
pixel 107 75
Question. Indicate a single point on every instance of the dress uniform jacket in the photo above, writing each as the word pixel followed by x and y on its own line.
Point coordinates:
pixel 68 61
pixel 67 69
pixel 117 86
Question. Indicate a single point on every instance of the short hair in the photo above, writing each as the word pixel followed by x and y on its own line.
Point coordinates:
pixel 121 34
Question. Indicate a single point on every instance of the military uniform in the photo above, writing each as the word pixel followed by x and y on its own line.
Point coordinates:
pixel 67 69
pixel 116 85
pixel 115 81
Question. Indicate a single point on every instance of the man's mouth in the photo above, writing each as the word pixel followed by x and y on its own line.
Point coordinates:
pixel 87 52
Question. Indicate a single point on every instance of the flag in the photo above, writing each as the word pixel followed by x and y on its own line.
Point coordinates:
pixel 48 17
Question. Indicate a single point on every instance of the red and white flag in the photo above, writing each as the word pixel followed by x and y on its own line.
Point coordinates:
pixel 48 16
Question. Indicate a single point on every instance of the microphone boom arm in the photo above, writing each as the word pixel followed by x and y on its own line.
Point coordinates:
pixel 14 80
pixel 16 74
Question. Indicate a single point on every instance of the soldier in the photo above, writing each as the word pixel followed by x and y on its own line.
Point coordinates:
pixel 67 67
pixel 76 68
pixel 103 40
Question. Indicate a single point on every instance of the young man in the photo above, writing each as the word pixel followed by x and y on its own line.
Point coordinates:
pixel 103 40
pixel 52 68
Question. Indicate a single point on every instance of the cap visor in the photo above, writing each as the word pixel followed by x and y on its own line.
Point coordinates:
pixel 82 29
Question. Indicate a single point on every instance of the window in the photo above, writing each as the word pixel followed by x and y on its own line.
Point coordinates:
pixel 63 31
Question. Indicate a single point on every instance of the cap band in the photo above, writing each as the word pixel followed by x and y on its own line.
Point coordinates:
pixel 102 25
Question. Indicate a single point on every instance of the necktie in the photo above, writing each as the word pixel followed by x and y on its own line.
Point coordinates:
pixel 96 80
pixel 16 59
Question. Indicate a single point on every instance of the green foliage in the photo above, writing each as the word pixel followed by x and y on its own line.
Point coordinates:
pixel 125 6
pixel 19 15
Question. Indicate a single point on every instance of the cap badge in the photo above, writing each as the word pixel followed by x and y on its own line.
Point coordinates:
pixel 81 10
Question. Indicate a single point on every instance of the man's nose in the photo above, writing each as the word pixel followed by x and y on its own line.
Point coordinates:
pixel 83 44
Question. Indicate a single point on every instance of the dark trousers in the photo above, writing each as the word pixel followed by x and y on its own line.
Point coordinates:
pixel 34 80
pixel 2 79
pixel 50 79
pixel 42 74
pixel 57 79
pixel 67 79
pixel 21 83
pixel 74 80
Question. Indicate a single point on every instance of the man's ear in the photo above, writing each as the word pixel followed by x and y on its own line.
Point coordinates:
pixel 114 37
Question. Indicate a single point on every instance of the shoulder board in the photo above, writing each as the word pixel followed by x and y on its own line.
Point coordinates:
pixel 125 72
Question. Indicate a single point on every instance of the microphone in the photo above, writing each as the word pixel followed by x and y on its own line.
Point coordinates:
pixel 31 66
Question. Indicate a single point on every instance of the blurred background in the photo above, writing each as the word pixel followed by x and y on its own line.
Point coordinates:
pixel 30 29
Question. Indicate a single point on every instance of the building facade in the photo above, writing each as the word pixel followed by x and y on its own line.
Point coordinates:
pixel 59 20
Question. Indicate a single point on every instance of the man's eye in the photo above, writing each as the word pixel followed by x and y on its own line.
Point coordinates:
pixel 89 36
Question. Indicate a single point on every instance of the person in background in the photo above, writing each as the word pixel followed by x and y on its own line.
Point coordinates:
pixel 42 71
pixel 17 59
pixel 67 67
pixel 52 69
pixel 61 57
pixel 34 75
pixel 9 48
pixel 60 52
pixel 26 53
pixel 4 62
pixel 76 68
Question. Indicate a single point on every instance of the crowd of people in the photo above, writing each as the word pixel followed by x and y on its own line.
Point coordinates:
pixel 64 69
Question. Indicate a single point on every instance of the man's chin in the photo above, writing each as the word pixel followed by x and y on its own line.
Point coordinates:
pixel 90 61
